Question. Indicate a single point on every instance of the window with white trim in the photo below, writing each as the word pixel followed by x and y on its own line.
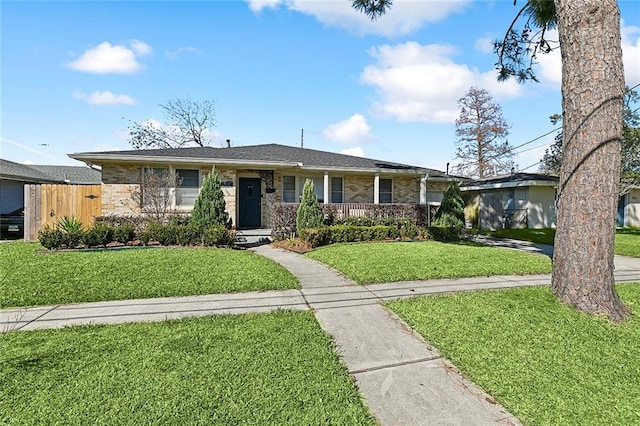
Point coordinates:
pixel 289 189
pixel 336 190
pixel 187 187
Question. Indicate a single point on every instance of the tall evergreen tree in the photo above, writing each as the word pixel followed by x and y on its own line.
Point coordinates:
pixel 210 207
pixel 481 129
pixel 451 210
pixel 592 91
pixel 309 214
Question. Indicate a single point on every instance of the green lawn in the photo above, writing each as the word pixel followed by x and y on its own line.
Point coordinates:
pixel 34 277
pixel 543 361
pixel 277 368
pixel 405 261
pixel 627 241
pixel 538 236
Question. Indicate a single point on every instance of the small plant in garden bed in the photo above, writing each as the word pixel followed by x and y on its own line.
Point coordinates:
pixel 293 244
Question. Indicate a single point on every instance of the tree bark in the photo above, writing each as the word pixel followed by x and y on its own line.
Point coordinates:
pixel 592 91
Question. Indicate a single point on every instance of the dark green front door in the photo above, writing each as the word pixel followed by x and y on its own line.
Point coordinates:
pixel 249 201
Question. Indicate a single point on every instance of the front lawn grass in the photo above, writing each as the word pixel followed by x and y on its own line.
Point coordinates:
pixel 406 261
pixel 628 242
pixel 33 277
pixel 538 236
pixel 277 368
pixel 544 362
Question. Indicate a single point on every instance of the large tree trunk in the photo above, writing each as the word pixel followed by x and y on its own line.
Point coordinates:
pixel 592 89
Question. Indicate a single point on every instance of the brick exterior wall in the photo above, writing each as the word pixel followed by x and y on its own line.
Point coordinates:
pixel 406 190
pixel 358 189
pixel 119 182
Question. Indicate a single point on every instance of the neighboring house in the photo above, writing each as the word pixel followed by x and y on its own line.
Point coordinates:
pixel 528 200
pixel 13 177
pixel 519 200
pixel 252 175
pixel 629 208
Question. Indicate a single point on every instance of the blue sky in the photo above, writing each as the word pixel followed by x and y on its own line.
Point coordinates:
pixel 74 73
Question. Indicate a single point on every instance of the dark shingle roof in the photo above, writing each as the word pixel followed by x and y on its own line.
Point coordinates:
pixel 48 174
pixel 516 177
pixel 265 153
pixel 72 174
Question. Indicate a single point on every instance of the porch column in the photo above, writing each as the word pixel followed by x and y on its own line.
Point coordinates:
pixel 376 189
pixel 423 189
pixel 327 194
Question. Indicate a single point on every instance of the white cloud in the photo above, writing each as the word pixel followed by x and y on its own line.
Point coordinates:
pixel 258 5
pixel 484 44
pixel 423 83
pixel 173 54
pixel 104 98
pixel 404 17
pixel 140 48
pixel 352 130
pixel 631 54
pixel 356 151
pixel 112 59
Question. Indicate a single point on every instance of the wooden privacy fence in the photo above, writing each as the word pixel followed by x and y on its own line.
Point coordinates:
pixel 46 204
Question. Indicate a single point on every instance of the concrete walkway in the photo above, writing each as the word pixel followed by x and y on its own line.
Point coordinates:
pixel 403 379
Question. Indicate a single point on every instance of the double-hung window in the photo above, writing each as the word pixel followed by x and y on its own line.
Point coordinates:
pixel 289 189
pixel 336 190
pixel 187 187
pixel 386 191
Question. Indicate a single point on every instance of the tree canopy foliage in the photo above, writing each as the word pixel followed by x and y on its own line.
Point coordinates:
pixel 187 123
pixel 481 129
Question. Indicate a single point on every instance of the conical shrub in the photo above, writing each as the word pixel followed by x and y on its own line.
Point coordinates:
pixel 309 213
pixel 210 207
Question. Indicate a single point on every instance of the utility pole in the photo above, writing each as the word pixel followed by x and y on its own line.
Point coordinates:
pixel 302 138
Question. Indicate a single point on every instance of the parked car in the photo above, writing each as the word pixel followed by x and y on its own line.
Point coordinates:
pixel 12 224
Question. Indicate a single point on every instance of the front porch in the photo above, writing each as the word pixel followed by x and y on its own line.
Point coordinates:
pixel 282 216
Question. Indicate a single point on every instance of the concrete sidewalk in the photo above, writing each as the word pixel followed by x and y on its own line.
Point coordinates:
pixel 403 379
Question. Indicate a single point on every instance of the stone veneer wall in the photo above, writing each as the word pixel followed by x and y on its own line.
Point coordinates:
pixel 118 184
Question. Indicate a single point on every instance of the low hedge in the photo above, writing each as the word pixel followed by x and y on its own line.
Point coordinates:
pixel 102 234
pixel 317 237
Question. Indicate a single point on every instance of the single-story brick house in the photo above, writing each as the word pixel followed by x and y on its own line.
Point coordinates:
pixel 528 200
pixel 252 174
